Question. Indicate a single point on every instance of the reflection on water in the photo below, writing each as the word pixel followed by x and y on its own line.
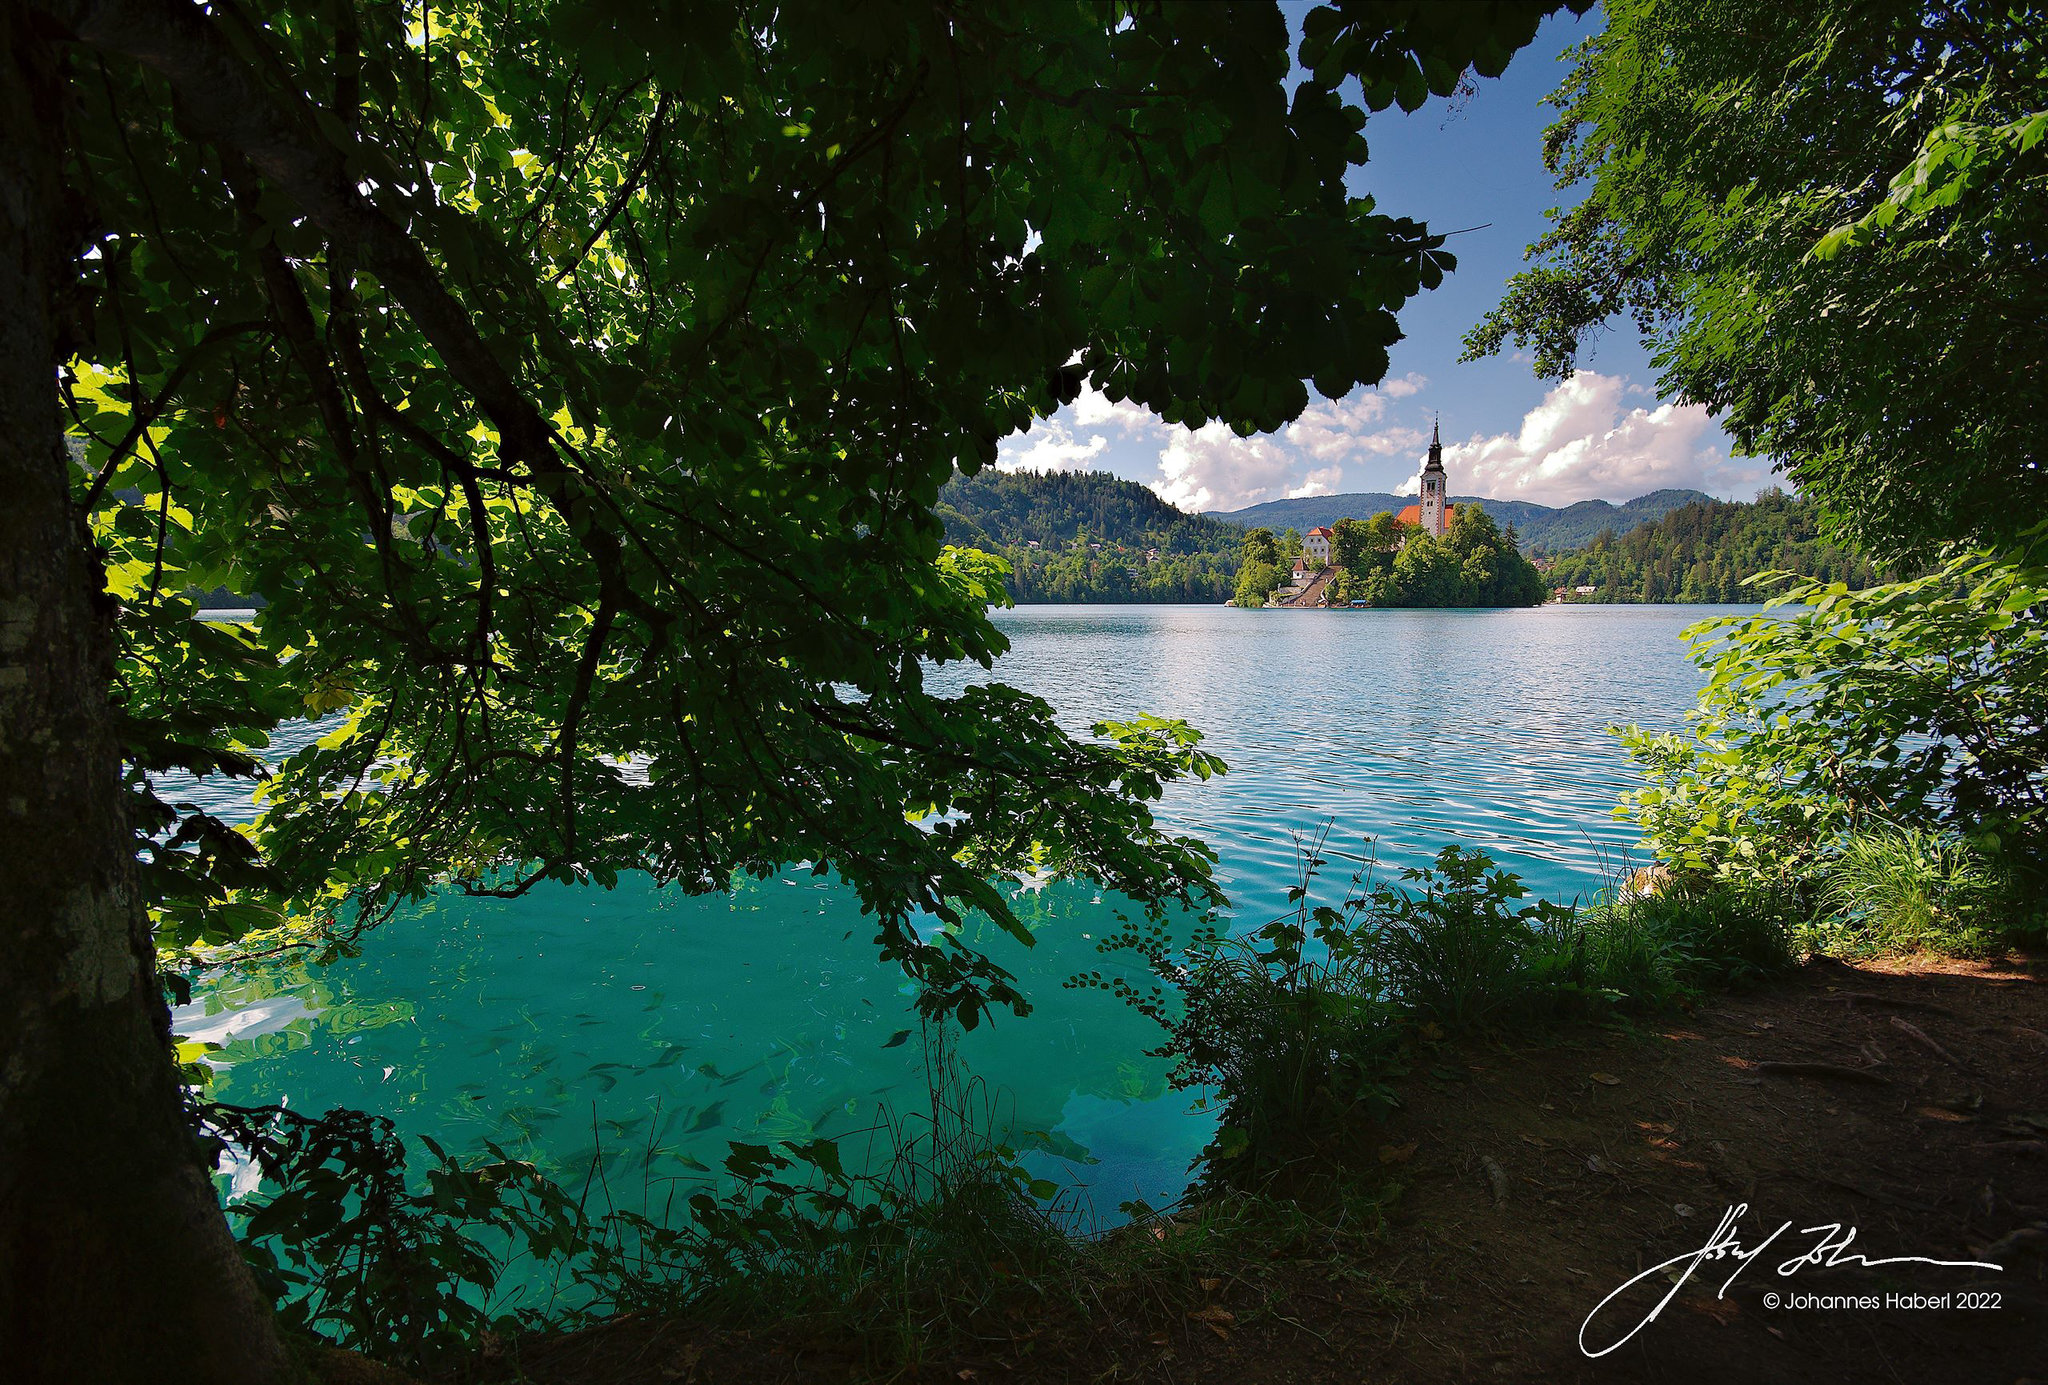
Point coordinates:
pixel 660 1027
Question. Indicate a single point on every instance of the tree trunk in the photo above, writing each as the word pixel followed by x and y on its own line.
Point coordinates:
pixel 115 1262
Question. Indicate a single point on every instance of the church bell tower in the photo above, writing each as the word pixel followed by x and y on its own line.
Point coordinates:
pixel 1434 506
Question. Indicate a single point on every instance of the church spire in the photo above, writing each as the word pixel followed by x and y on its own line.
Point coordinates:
pixel 1434 509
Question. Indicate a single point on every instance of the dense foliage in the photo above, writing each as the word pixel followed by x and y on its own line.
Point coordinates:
pixel 1912 707
pixel 1829 221
pixel 1112 572
pixel 1706 552
pixel 1003 509
pixel 1090 537
pixel 641 354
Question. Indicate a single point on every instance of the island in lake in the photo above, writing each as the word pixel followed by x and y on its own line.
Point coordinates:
pixel 1432 553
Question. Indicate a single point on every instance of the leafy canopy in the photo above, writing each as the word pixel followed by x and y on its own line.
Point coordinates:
pixel 1828 220
pixel 575 382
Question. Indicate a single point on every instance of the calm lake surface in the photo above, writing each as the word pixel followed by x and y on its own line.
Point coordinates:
pixel 659 1028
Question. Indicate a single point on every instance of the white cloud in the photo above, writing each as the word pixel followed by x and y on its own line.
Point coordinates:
pixel 1593 436
pixel 1211 468
pixel 1330 430
pixel 1583 441
pixel 1072 439
pixel 1094 409
pixel 1051 446
pixel 1320 482
pixel 1410 484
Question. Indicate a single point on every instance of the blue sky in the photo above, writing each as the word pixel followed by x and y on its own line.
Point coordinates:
pixel 1604 434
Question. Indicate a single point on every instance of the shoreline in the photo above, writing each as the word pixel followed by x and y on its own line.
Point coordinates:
pixel 1520 1183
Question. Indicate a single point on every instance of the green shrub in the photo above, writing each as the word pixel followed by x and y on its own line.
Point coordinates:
pixel 1460 952
pixel 1835 713
pixel 1300 1027
pixel 1289 1025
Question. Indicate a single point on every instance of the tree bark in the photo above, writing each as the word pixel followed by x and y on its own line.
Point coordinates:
pixel 116 1264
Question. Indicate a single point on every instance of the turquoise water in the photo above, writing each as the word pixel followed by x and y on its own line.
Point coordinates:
pixel 660 1028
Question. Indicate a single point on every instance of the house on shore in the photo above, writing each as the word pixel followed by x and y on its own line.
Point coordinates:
pixel 1315 545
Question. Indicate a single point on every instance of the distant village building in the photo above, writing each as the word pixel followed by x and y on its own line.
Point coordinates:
pixel 1316 545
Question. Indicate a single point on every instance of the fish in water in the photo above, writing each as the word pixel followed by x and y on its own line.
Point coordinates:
pixel 711 1117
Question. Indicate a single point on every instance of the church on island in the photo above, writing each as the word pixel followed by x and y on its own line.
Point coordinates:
pixel 1433 511
pixel 1380 564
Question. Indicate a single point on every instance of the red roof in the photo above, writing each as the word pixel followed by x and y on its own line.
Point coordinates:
pixel 1320 532
pixel 1413 515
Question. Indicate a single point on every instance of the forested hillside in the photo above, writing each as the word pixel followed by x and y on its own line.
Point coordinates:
pixel 1703 552
pixel 1089 536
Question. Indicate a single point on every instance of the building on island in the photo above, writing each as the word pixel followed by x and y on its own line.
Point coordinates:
pixel 1434 512
pixel 1315 545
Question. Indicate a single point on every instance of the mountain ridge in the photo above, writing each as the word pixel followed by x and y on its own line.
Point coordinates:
pixel 1542 528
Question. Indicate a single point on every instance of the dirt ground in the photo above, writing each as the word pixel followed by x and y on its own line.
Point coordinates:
pixel 1906 1101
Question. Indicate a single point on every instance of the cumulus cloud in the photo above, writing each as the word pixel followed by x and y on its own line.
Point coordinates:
pixel 1093 410
pixel 1595 435
pixel 1586 441
pixel 1322 481
pixel 1051 446
pixel 1077 437
pixel 1211 468
pixel 1331 430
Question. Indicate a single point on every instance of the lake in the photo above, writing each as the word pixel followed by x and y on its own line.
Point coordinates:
pixel 659 1027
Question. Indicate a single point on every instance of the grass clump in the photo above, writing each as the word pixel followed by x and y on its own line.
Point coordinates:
pixel 1658 946
pixel 1903 889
